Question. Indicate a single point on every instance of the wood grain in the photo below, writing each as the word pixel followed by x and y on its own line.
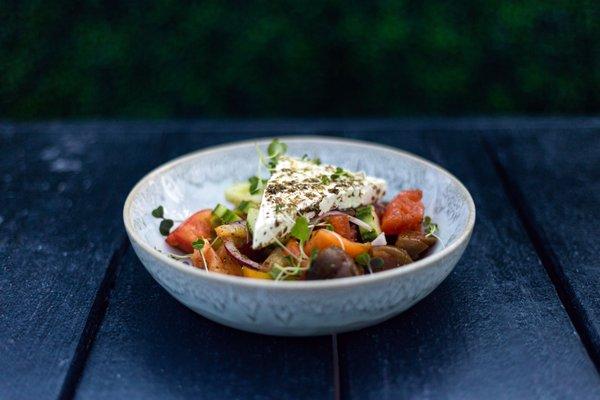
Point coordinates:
pixel 554 182
pixel 494 329
pixel 62 195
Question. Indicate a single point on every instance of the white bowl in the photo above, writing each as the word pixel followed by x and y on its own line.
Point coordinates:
pixel 301 308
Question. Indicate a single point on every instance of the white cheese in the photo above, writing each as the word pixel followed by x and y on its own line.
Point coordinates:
pixel 299 187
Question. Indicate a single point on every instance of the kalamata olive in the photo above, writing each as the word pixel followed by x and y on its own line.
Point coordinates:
pixel 332 263
pixel 392 257
pixel 278 256
pixel 415 243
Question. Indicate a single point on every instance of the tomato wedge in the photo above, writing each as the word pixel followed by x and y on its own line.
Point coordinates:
pixel 404 213
pixel 195 227
pixel 341 225
pixel 323 239
pixel 213 261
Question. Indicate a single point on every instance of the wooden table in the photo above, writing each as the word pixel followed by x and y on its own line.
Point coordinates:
pixel 518 318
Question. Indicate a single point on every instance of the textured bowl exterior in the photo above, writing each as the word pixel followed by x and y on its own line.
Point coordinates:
pixel 303 308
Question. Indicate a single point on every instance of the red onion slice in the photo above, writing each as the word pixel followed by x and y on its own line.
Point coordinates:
pixel 379 240
pixel 361 223
pixel 242 259
pixel 351 218
pixel 330 214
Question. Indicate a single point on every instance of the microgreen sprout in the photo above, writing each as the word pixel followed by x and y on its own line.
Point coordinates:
pixel 429 227
pixel 376 262
pixel 339 172
pixel 256 184
pixel 365 260
pixel 198 244
pixel 158 212
pixel 166 224
pixel 297 263
pixel 280 273
pixel 276 149
pixel 290 254
pixel 301 230
pixel 316 160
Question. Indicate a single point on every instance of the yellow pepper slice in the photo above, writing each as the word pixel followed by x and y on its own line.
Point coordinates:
pixel 252 273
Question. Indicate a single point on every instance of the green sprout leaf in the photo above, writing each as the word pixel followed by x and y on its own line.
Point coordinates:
pixel 276 272
pixel 256 184
pixel 325 180
pixel 300 229
pixel 198 244
pixel 363 259
pixel 316 160
pixel 429 227
pixel 165 226
pixel 276 148
pixel 274 151
pixel 339 172
pixel 158 212
pixel 284 273
pixel 376 262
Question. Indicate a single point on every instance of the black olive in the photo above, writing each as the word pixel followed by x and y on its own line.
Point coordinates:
pixel 415 243
pixel 332 263
pixel 392 257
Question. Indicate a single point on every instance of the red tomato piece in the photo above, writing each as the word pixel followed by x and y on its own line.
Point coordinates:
pixel 341 225
pixel 403 213
pixel 195 227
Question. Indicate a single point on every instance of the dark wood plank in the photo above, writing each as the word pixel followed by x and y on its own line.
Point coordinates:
pixel 43 326
pixel 554 181
pixel 62 194
pixel 152 347
pixel 268 127
pixel 494 329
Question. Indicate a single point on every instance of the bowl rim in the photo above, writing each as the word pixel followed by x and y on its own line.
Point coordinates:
pixel 297 285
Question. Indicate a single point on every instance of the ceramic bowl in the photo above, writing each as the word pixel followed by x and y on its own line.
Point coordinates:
pixel 299 308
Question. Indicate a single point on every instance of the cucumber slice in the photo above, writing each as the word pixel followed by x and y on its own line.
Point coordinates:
pixel 367 214
pixel 239 192
pixel 243 207
pixel 251 218
pixel 224 214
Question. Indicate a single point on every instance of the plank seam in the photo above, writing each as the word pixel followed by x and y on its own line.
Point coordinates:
pixel 315 125
pixel 547 257
pixel 93 322
pixel 336 368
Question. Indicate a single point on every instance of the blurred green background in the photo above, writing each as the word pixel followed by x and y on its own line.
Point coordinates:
pixel 161 59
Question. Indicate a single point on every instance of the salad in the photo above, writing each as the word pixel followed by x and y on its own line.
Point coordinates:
pixel 306 220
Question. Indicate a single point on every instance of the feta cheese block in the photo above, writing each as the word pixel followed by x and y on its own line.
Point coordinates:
pixel 303 188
